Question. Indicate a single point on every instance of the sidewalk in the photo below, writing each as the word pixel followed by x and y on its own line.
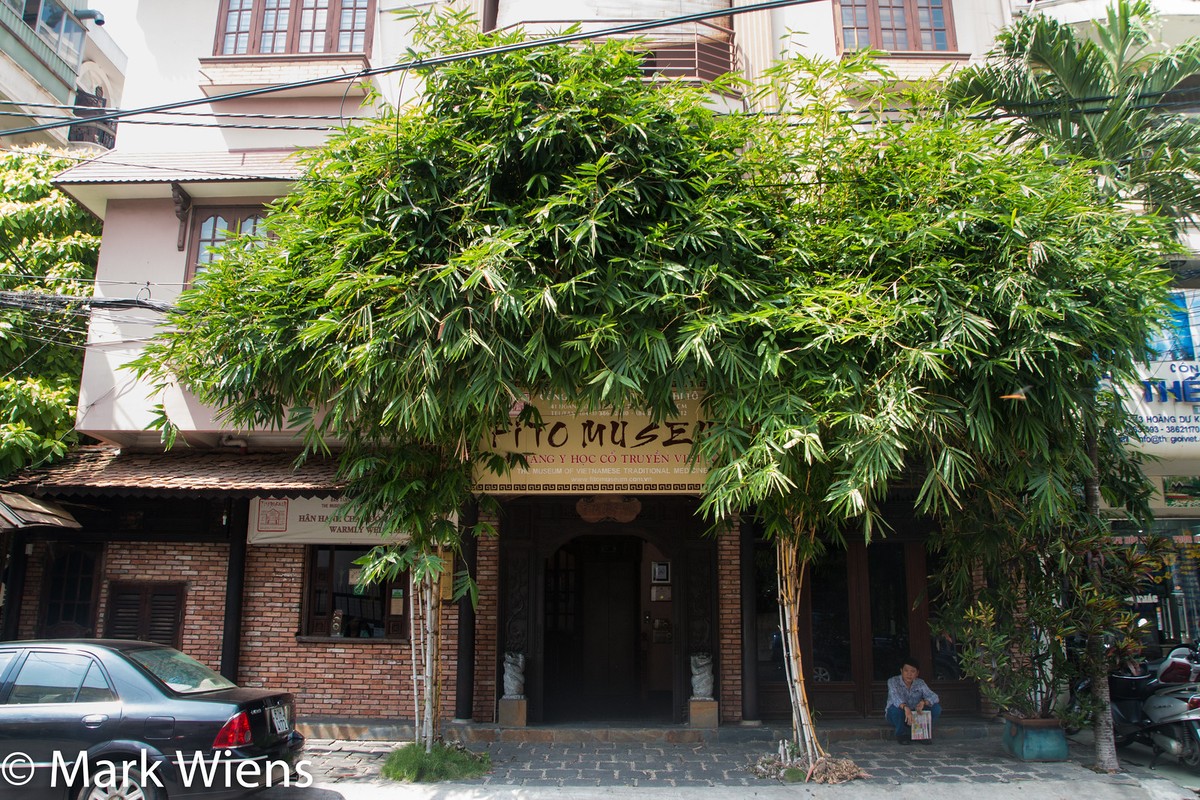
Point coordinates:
pixel 953 768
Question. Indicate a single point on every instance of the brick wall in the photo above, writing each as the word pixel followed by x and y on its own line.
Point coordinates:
pixel 202 567
pixel 729 623
pixel 487 623
pixel 35 565
pixel 368 678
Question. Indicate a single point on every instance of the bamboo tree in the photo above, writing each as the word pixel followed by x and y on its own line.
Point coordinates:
pixel 849 291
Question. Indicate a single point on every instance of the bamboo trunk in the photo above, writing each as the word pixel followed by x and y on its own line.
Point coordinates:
pixel 414 635
pixel 790 575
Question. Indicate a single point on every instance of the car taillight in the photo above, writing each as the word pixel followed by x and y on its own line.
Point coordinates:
pixel 235 733
pixel 1194 702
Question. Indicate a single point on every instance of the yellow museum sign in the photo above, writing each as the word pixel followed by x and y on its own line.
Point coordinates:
pixel 574 453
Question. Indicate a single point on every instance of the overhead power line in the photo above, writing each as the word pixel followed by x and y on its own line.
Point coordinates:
pixel 215 114
pixel 433 61
pixel 41 301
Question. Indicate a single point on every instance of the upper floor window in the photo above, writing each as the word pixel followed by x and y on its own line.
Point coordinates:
pixel 266 27
pixel 212 226
pixel 897 25
pixel 55 24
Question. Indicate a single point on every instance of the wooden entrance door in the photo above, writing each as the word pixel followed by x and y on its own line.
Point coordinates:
pixel 592 629
pixel 866 609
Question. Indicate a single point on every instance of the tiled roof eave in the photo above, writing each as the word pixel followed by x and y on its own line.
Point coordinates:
pixel 108 472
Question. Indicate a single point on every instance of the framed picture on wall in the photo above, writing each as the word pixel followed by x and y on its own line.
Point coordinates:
pixel 660 571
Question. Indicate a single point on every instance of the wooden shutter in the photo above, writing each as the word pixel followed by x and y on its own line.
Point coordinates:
pixel 151 612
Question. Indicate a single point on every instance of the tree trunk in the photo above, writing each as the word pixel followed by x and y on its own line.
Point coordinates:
pixel 415 626
pixel 431 625
pixel 790 576
pixel 1106 747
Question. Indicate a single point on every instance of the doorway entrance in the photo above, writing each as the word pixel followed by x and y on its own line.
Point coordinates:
pixel 606 611
pixel 596 659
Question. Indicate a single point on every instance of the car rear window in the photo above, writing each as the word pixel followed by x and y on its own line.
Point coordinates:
pixel 178 672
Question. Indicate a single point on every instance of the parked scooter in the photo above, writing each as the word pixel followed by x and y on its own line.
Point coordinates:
pixel 1160 706
pixel 1167 718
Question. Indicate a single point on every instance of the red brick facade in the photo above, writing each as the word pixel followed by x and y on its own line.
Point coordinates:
pixel 487 624
pixel 729 623
pixel 200 566
pixel 343 678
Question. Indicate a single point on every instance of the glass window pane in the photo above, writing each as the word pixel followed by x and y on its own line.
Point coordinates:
pixel 49 678
pixel 95 687
pixel 931 22
pixel 353 26
pixel 180 673
pixel 238 19
pixel 275 26
pixel 830 631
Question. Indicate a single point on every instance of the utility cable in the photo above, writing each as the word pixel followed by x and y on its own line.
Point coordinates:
pixel 431 62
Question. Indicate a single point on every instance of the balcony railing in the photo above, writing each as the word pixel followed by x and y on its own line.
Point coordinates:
pixel 101 132
pixel 695 51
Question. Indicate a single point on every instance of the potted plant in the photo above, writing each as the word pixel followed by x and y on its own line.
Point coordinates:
pixel 1015 592
pixel 1018 659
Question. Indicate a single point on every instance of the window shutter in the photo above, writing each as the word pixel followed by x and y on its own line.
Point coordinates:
pixel 151 612
pixel 124 609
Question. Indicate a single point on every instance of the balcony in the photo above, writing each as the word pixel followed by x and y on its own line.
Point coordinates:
pixel 100 132
pixel 696 51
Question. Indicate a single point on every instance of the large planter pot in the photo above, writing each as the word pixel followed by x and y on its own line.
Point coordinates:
pixel 1035 739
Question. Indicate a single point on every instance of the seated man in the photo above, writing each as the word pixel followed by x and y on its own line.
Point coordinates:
pixel 908 693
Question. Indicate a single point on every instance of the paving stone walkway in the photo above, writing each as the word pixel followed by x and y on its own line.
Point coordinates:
pixel 974 761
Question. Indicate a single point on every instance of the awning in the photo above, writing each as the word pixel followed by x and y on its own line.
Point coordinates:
pixel 18 511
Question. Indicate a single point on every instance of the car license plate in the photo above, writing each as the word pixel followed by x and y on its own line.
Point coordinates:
pixel 279 716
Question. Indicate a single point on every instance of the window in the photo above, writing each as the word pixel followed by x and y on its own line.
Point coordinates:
pixel 178 672
pixel 336 608
pixel 212 226
pixel 56 26
pixel 270 27
pixel 59 678
pixel 69 592
pixel 897 25
pixel 151 612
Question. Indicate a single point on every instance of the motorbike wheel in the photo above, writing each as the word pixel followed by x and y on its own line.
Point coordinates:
pixel 1191 747
pixel 1123 741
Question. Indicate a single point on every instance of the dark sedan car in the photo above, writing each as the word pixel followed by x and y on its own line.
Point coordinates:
pixel 124 720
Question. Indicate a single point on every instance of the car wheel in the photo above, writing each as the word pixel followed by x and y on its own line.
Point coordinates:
pixel 125 782
pixel 821 674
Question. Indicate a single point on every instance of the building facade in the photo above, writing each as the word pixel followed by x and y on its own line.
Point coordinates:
pixel 57 61
pixel 608 584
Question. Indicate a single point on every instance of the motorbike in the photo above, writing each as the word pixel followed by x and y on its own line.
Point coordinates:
pixel 1158 704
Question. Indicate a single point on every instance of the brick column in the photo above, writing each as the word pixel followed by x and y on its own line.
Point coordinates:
pixel 729 622
pixel 487 623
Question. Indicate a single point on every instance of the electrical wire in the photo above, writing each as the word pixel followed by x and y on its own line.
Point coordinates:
pixel 431 62
pixel 179 124
pixel 216 114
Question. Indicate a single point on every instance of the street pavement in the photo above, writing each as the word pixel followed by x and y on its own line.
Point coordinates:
pixel 975 768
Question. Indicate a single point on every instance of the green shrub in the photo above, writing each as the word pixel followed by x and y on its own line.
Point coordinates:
pixel 446 762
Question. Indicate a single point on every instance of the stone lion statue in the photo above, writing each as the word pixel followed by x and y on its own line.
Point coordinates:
pixel 514 675
pixel 702 676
